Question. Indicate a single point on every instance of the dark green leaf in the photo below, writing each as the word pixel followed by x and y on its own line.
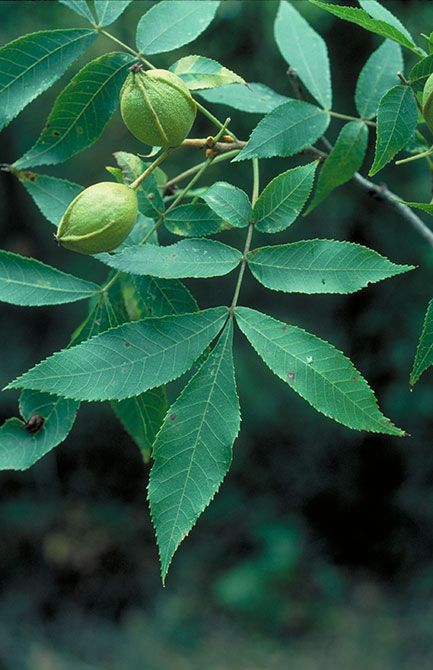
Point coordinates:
pixel 32 63
pixel 424 353
pixel 81 111
pixel 150 201
pixel 151 296
pixel 142 417
pixel 420 72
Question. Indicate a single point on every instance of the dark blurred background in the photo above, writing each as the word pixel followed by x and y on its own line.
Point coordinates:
pixel 318 550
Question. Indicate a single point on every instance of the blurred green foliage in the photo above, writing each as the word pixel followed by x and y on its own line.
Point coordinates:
pixel 317 552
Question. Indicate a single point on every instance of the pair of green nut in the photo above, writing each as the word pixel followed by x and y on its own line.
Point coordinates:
pixel 158 109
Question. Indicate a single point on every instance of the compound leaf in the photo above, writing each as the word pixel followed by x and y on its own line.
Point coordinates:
pixel 30 283
pixel 378 75
pixel 397 119
pixel 81 111
pixel 288 129
pixel 193 258
pixel 31 64
pixel 281 202
pixel 127 360
pixel 317 371
pixel 345 158
pixel 305 51
pixel 172 23
pixel 320 266
pixel 193 449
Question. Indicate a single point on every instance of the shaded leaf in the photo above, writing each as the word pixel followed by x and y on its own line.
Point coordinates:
pixel 255 98
pixel 344 160
pixel 426 207
pixel 397 119
pixel 19 450
pixel 51 195
pixel 420 72
pixel 151 296
pixel 378 75
pixel 305 51
pixel 108 11
pixel 317 371
pixel 194 220
pixel 142 417
pixel 172 23
pixel 424 353
pixel 188 258
pixel 31 64
pixel 81 111
pixel 80 7
pixel 288 129
pixel 230 203
pixel 193 449
pixel 281 202
pixel 150 201
pixel 127 360
pixel 320 266
pixel 30 283
pixel 199 72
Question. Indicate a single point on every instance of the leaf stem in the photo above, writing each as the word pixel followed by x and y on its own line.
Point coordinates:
pixel 248 240
pixel 196 168
pixel 135 184
pixel 416 157
pixel 347 117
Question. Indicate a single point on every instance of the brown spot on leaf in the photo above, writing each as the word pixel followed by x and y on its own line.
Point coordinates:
pixel 56 133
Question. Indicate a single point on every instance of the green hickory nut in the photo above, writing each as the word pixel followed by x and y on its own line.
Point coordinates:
pixel 157 107
pixel 99 218
pixel 427 103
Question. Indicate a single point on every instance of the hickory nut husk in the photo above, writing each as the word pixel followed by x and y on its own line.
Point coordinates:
pixel 157 107
pixel 99 218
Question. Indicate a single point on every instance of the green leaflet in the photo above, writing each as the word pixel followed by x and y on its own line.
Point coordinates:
pixel 127 360
pixel 378 75
pixel 362 19
pixel 193 449
pixel 150 201
pixel 81 111
pixel 320 266
pixel 230 203
pixel 31 64
pixel 193 258
pixel 198 72
pixel 420 72
pixel 281 202
pixel 424 353
pixel 80 7
pixel 108 11
pixel 194 221
pixel 19 450
pixel 305 51
pixel 344 160
pixel 396 121
pixel 288 129
pixel 142 417
pixel 255 98
pixel 150 296
pixel 317 371
pixel 30 283
pixel 172 23
pixel 51 195
pixel 377 11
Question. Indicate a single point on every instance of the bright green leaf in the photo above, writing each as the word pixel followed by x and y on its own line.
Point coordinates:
pixel 108 11
pixel 426 207
pixel 344 160
pixel 198 72
pixel 19 450
pixel 30 283
pixel 193 450
pixel 31 64
pixel 230 203
pixel 81 111
pixel 320 266
pixel 172 23
pixel 255 98
pixel 397 119
pixel 193 258
pixel 424 353
pixel 362 19
pixel 51 195
pixel 317 371
pixel 194 220
pixel 127 360
pixel 281 202
pixel 377 11
pixel 286 131
pixel 305 51
pixel 378 75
